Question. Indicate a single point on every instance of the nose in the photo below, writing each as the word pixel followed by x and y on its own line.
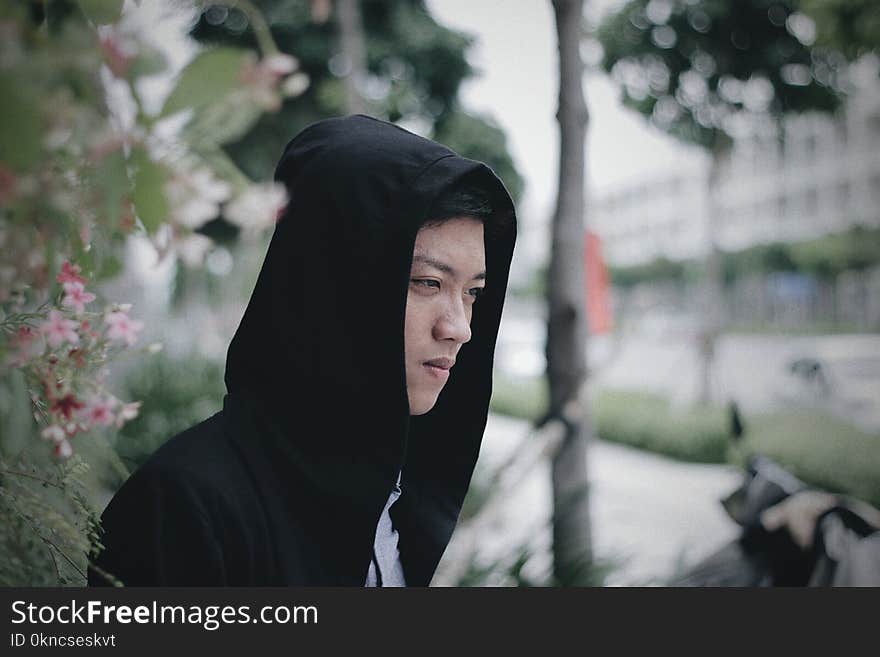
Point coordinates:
pixel 454 323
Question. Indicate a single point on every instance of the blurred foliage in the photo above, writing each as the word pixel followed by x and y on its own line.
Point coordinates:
pixel 519 568
pixel 825 257
pixel 49 522
pixel 650 422
pixel 852 26
pixel 480 138
pixel 527 399
pixel 823 451
pixel 693 67
pixel 526 563
pixel 48 517
pixel 506 571
pixel 415 68
pixel 534 287
pixel 820 450
pixel 829 256
pixel 177 393
pixel 84 164
pixel 659 270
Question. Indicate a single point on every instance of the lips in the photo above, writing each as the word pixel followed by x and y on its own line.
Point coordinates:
pixel 441 363
pixel 439 367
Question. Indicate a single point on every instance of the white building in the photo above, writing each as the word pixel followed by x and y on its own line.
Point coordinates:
pixel 661 217
pixel 823 177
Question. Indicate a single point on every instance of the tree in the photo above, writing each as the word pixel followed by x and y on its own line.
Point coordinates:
pixel 567 326
pixel 698 69
pixel 851 26
pixel 405 68
pixel 351 48
pixel 77 177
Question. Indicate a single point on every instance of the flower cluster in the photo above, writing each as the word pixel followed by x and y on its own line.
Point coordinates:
pixel 62 352
pixel 275 73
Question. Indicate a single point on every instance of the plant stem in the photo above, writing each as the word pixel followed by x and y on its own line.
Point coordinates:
pixel 258 24
pixel 30 476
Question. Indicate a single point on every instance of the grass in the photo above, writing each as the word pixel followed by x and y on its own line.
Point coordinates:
pixel 525 399
pixel 649 422
pixel 821 450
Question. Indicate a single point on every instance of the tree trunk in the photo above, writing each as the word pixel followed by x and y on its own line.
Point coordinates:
pixel 352 49
pixel 567 327
pixel 713 317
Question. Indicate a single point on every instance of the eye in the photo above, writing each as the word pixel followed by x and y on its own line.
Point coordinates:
pixel 425 283
pixel 476 292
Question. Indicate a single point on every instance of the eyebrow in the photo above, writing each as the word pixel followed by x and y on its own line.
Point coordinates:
pixel 442 266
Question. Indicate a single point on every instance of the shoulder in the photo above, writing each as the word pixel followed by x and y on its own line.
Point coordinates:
pixel 192 473
pixel 165 524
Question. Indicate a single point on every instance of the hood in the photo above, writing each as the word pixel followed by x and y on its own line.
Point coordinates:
pixel 319 353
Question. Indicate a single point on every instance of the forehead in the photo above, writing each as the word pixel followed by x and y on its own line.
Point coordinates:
pixel 458 240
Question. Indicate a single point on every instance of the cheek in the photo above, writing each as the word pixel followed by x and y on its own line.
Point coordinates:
pixel 417 324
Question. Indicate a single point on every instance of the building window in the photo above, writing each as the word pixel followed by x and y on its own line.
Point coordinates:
pixel 810 146
pixel 843 193
pixel 811 202
pixel 874 129
pixel 874 185
pixel 841 132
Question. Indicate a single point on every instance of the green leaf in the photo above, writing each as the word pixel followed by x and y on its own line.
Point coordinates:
pixel 224 121
pixel 207 80
pixel 149 61
pixel 20 127
pixel 82 256
pixel 222 165
pixel 102 12
pixel 112 181
pixel 110 267
pixel 149 198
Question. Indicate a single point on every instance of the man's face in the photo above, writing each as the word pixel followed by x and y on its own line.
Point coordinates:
pixel 448 273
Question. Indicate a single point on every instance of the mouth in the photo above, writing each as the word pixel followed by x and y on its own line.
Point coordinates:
pixel 439 367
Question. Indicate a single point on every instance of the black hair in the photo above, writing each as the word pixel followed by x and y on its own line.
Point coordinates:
pixel 467 200
pixel 461 202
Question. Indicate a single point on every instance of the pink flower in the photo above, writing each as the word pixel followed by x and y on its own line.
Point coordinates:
pixel 117 55
pixel 54 433
pixel 24 336
pixel 77 297
pixel 66 406
pixel 70 274
pixel 59 330
pixel 127 412
pixel 279 64
pixel 63 450
pixel 26 346
pixel 123 327
pixel 99 411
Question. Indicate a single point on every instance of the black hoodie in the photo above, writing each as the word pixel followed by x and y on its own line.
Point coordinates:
pixel 285 485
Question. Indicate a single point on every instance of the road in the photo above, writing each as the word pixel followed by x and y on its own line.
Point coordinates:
pixel 650 515
pixel 753 370
pixel 749 368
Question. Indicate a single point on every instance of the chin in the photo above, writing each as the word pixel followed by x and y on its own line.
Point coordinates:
pixel 423 405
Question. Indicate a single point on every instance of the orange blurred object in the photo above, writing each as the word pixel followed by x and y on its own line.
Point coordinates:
pixel 598 289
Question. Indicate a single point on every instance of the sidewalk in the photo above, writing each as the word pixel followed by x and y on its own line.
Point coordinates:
pixel 651 515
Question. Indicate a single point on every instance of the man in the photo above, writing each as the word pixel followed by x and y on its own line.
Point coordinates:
pixel 358 381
